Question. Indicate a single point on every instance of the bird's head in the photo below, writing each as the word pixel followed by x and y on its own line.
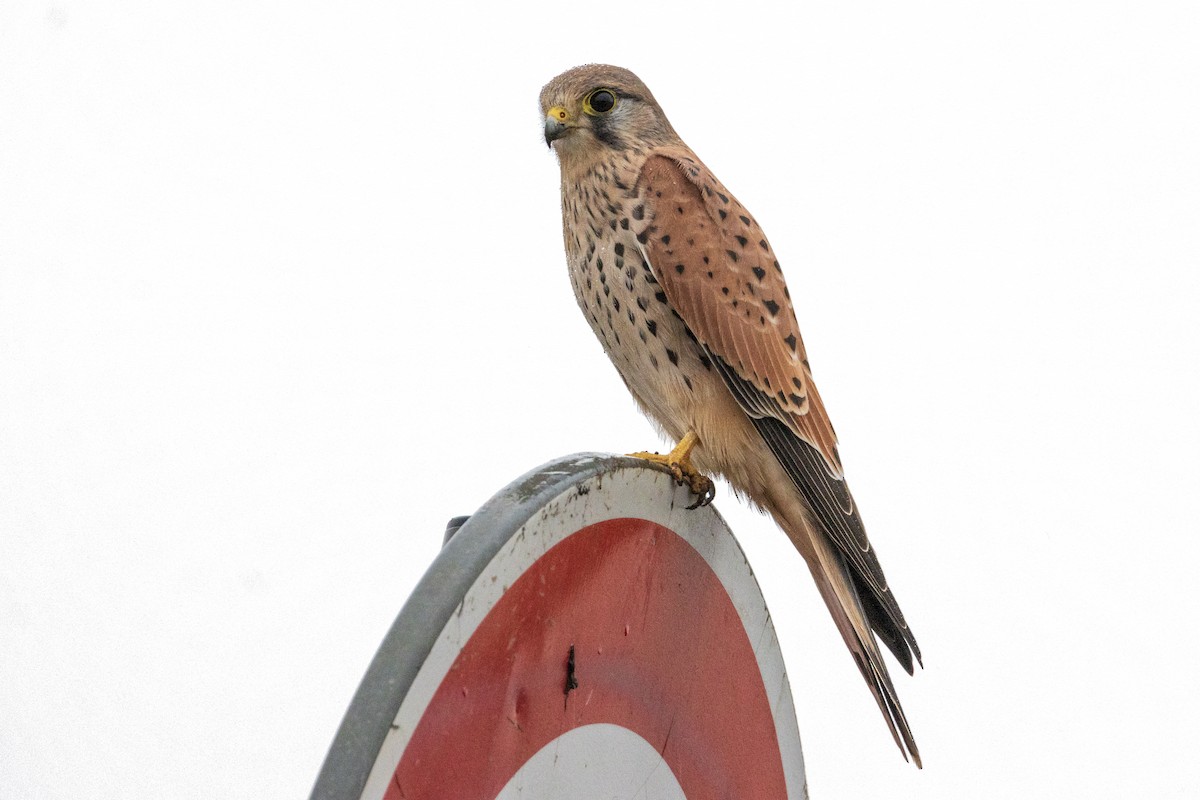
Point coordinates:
pixel 592 110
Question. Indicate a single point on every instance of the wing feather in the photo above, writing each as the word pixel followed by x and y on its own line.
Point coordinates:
pixel 720 275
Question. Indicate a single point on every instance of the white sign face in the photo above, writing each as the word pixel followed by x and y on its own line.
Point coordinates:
pixel 601 760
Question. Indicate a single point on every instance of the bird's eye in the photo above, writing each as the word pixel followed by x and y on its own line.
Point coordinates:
pixel 600 101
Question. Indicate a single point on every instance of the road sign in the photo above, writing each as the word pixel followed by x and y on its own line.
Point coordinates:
pixel 584 634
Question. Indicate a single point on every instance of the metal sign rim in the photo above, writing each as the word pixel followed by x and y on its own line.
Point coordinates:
pixel 367 728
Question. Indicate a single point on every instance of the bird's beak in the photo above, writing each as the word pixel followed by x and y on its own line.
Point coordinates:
pixel 557 119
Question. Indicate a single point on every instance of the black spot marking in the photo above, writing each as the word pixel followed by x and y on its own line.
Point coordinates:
pixel 571 683
pixel 616 304
pixel 679 268
pixel 724 290
pixel 710 274
pixel 745 220
pixel 791 342
pixel 660 297
pixel 796 382
pixel 652 326
pixel 763 244
pixel 672 356
pixel 678 209
pixel 732 256
pixel 624 223
pixel 665 239
pixel 619 249
pixel 687 382
pixel 721 211
pixel 706 362
pixel 706 259
pixel 638 212
pixel 796 399
pixel 724 199
pixel 644 236
pixel 741 240
pixel 759 273
pixel 771 306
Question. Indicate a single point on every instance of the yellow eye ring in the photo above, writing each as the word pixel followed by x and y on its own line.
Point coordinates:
pixel 599 101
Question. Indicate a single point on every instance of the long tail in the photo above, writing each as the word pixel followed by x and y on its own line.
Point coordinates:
pixel 833 579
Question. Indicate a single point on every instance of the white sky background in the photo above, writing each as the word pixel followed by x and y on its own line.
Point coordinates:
pixel 282 289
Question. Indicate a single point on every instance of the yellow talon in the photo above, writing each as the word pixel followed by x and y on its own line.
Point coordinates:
pixel 678 463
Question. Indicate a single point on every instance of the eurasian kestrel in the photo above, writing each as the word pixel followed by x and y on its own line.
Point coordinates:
pixel 680 285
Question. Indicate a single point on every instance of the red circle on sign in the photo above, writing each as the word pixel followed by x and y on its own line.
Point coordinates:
pixel 659 649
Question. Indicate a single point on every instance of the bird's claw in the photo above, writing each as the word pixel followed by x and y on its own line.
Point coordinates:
pixel 701 485
pixel 684 473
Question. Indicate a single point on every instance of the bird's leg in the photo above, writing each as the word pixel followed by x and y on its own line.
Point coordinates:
pixel 679 463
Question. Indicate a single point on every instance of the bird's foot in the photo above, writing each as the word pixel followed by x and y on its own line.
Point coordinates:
pixel 679 463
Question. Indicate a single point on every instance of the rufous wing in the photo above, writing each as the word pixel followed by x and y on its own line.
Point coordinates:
pixel 720 275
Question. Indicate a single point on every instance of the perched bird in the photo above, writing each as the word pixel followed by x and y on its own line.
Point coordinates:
pixel 684 292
